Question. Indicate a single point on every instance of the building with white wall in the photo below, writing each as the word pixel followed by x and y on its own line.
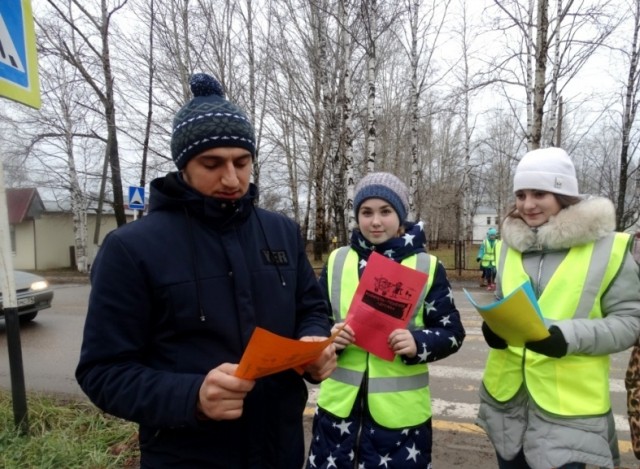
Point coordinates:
pixel 485 218
pixel 42 235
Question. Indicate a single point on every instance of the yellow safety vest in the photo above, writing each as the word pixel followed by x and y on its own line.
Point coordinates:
pixel 397 394
pixel 488 254
pixel 574 385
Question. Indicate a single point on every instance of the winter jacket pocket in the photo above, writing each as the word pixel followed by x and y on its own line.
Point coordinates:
pixel 205 303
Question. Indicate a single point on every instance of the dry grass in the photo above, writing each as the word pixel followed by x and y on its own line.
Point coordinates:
pixel 65 433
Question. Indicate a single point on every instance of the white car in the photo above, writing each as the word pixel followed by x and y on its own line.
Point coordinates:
pixel 33 293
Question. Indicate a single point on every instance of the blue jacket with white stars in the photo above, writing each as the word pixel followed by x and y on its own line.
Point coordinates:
pixel 358 441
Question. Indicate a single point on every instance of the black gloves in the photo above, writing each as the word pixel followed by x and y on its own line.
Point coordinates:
pixel 553 346
pixel 493 340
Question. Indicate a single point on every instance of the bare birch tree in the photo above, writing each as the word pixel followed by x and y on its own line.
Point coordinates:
pixel 540 78
pixel 625 216
pixel 289 128
pixel 370 16
pixel 175 62
pixel 579 29
pixel 248 16
pixel 332 95
pixel 468 199
pixel 64 144
pixel 304 51
pixel 140 101
pixel 501 145
pixel 94 66
pixel 343 177
pixel 322 122
pixel 425 26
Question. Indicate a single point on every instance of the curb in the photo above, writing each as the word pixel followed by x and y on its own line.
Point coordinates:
pixel 54 280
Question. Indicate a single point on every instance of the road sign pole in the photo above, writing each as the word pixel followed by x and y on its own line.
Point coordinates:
pixel 12 323
pixel 18 81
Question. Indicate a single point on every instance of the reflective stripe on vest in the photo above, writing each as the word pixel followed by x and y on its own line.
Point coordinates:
pixel 397 394
pixel 551 383
pixel 488 254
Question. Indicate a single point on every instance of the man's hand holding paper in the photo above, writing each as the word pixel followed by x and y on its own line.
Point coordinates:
pixel 320 368
pixel 345 335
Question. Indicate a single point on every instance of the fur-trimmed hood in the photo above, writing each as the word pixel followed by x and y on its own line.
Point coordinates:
pixel 584 222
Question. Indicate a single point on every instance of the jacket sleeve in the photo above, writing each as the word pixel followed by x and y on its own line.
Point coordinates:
pixel 480 251
pixel 620 326
pixel 312 312
pixel 324 287
pixel 112 370
pixel 443 333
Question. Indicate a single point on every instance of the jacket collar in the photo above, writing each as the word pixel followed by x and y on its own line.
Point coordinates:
pixel 413 241
pixel 584 222
pixel 172 193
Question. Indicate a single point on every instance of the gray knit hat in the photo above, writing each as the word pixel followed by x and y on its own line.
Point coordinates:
pixel 209 121
pixel 547 169
pixel 384 186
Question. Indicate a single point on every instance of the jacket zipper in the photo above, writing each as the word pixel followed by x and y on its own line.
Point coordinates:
pixel 362 403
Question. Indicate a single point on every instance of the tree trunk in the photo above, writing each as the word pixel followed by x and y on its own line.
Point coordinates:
pixel 540 74
pixel 630 106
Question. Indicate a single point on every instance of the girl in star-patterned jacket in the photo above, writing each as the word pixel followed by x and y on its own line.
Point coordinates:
pixel 373 412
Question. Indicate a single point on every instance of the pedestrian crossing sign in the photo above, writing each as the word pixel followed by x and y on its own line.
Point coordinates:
pixel 18 57
pixel 136 198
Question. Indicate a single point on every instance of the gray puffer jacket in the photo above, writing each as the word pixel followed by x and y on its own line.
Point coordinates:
pixel 547 440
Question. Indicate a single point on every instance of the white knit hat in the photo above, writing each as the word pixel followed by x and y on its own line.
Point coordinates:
pixel 547 169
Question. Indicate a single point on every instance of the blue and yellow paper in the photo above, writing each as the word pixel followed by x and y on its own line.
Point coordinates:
pixel 516 318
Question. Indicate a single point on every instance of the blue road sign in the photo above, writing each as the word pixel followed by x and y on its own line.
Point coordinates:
pixel 136 198
pixel 18 57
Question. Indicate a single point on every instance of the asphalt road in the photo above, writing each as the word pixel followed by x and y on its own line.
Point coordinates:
pixel 51 345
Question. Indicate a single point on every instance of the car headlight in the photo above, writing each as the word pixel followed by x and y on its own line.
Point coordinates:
pixel 39 285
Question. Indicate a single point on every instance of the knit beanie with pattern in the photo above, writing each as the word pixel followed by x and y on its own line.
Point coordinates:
pixel 209 121
pixel 384 186
pixel 547 169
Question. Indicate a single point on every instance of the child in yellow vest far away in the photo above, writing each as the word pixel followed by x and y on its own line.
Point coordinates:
pixel 547 405
pixel 373 412
pixel 487 259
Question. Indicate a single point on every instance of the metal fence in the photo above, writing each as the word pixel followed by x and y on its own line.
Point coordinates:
pixel 458 256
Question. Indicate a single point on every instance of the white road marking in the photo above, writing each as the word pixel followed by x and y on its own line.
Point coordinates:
pixel 468 411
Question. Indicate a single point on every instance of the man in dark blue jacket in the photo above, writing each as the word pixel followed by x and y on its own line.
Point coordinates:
pixel 177 294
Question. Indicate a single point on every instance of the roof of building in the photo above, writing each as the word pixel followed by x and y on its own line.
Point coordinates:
pixel 64 206
pixel 484 210
pixel 23 203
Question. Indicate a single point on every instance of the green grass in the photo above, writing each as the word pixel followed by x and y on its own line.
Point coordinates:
pixel 65 433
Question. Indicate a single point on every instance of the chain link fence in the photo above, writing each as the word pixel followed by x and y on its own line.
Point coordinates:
pixel 458 257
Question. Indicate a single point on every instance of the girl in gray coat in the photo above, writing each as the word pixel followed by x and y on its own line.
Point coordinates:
pixel 547 404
